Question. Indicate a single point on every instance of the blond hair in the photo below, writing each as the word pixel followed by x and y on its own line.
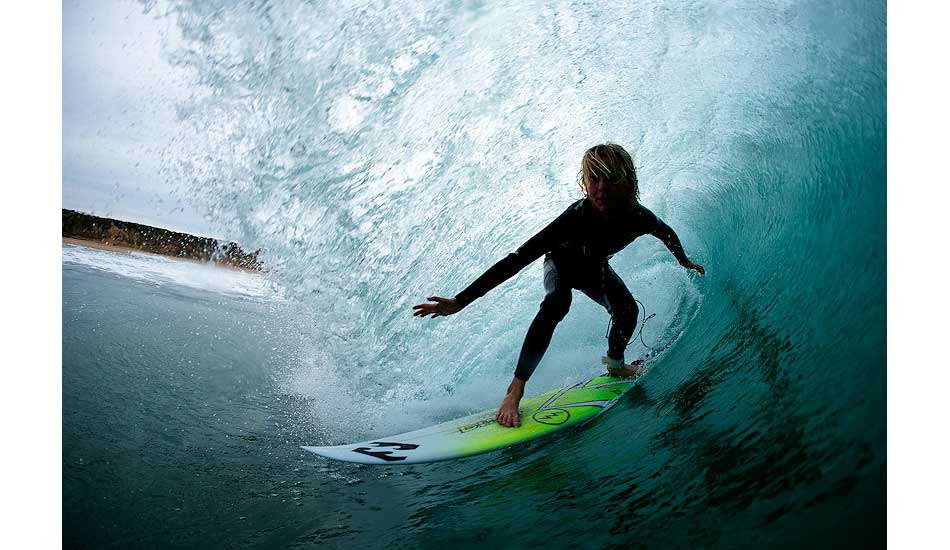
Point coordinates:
pixel 612 163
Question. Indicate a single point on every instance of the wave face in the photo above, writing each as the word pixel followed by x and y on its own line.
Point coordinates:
pixel 383 152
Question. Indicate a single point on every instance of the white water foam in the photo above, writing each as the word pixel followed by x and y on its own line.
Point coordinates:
pixel 161 270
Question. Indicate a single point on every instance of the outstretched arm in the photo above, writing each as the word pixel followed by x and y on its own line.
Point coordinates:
pixel 496 274
pixel 503 270
pixel 666 234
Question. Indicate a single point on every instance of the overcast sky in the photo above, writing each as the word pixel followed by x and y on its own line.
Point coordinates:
pixel 118 115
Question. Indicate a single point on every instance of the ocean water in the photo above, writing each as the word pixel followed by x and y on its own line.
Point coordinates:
pixel 380 153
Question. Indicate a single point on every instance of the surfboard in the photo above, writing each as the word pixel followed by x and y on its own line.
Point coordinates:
pixel 480 433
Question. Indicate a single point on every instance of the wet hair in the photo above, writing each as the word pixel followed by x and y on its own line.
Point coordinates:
pixel 611 162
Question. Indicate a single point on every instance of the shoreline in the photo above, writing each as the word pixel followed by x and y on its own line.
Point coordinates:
pixel 118 248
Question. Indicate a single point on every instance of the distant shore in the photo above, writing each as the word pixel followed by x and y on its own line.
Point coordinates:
pixel 122 236
pixel 127 249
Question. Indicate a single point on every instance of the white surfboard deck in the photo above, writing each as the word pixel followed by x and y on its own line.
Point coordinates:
pixel 480 433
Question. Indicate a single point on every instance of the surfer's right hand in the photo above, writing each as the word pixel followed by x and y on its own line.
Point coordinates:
pixel 440 307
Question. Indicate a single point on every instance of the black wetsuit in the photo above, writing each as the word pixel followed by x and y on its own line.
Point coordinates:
pixel 577 246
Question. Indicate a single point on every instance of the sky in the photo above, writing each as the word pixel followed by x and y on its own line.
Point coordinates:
pixel 119 96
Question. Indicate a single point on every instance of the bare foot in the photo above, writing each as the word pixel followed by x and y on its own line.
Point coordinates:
pixel 631 370
pixel 507 414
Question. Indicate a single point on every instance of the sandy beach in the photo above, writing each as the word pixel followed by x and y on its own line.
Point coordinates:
pixel 126 250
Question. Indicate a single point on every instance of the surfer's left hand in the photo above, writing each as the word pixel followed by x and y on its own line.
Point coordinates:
pixel 691 265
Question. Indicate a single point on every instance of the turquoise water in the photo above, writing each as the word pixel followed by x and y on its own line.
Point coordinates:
pixel 383 153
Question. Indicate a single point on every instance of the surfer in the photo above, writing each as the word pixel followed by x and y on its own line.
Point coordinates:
pixel 576 247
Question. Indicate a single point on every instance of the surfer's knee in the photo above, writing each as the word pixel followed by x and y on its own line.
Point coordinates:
pixel 626 316
pixel 556 305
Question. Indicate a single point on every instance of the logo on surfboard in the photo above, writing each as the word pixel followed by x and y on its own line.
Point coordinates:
pixel 386 455
pixel 551 417
pixel 479 424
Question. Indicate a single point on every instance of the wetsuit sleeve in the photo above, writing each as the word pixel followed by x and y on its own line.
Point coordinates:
pixel 507 267
pixel 666 234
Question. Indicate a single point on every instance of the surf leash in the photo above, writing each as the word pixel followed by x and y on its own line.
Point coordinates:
pixel 639 335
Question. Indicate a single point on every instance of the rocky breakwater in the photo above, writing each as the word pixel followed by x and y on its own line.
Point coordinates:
pixel 155 240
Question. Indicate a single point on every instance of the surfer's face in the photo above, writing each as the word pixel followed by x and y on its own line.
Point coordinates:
pixel 608 196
